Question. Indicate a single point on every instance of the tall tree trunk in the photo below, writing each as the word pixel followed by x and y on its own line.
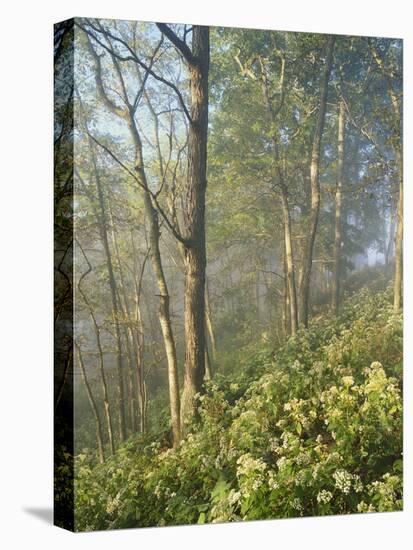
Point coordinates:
pixel 103 222
pixel 132 391
pixel 101 218
pixel 128 114
pixel 398 247
pixel 140 372
pixel 335 297
pixel 286 295
pixel 164 312
pixel 129 336
pixel 208 320
pixel 195 250
pixel 208 366
pixel 279 175
pixel 397 111
pixel 289 262
pixel 93 406
pixel 139 335
pixel 307 260
pixel 105 393
pixel 398 258
pixel 390 237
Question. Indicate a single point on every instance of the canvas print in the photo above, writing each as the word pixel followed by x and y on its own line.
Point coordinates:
pixel 228 274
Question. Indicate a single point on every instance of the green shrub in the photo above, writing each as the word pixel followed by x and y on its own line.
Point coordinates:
pixel 314 428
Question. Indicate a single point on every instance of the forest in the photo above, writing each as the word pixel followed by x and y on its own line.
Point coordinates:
pixel 229 229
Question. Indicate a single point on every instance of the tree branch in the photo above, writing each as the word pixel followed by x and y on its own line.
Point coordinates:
pixel 179 44
pixel 133 57
pixel 154 197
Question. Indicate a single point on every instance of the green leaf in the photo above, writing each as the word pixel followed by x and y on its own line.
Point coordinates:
pixel 202 518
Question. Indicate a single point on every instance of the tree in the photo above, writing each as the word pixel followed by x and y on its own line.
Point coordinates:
pixel 338 243
pixel 128 114
pixel 391 80
pixel 102 219
pixel 197 59
pixel 307 258
pixel 93 406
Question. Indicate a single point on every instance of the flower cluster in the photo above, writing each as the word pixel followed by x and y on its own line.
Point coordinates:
pixel 324 497
pixel 307 433
pixel 343 481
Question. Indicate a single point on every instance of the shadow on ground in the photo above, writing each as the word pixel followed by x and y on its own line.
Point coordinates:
pixel 44 514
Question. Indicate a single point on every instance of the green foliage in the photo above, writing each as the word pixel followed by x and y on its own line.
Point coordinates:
pixel 313 429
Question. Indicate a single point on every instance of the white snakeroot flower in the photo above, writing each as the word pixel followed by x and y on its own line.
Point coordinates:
pixel 343 481
pixel 358 485
pixel 274 444
pixel 296 504
pixel 158 489
pixel 281 462
pixel 324 497
pixel 112 504
pixel 233 497
pixel 248 465
pixel 303 459
pixel 347 381
pixel 272 481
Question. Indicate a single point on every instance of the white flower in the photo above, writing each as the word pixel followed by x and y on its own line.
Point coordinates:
pixel 358 485
pixel 272 481
pixel 112 504
pixel 296 504
pixel 281 462
pixel 343 481
pixel 233 497
pixel 347 381
pixel 324 497
pixel 249 465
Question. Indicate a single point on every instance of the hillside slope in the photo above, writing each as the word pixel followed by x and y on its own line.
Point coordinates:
pixel 314 428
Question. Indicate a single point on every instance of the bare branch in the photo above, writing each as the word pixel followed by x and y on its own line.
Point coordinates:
pixel 179 44
pixel 111 105
pixel 154 197
pixel 133 57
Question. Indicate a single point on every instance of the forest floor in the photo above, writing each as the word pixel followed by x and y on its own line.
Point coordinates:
pixel 313 427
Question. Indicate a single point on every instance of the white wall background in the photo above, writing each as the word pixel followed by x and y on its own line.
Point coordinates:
pixel 26 272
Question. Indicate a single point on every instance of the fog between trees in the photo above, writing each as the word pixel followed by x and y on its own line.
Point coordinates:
pixel 231 187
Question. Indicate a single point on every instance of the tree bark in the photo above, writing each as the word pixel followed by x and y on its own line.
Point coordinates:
pixel 304 286
pixel 398 258
pixel 397 111
pixel 390 236
pixel 335 302
pixel 195 249
pixel 129 335
pixel 93 406
pixel 164 312
pixel 398 248
pixel 279 175
pixel 139 333
pixel 289 262
pixel 208 366
pixel 128 114
pixel 103 221
pixel 105 393
pixel 208 319
pixel 286 296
